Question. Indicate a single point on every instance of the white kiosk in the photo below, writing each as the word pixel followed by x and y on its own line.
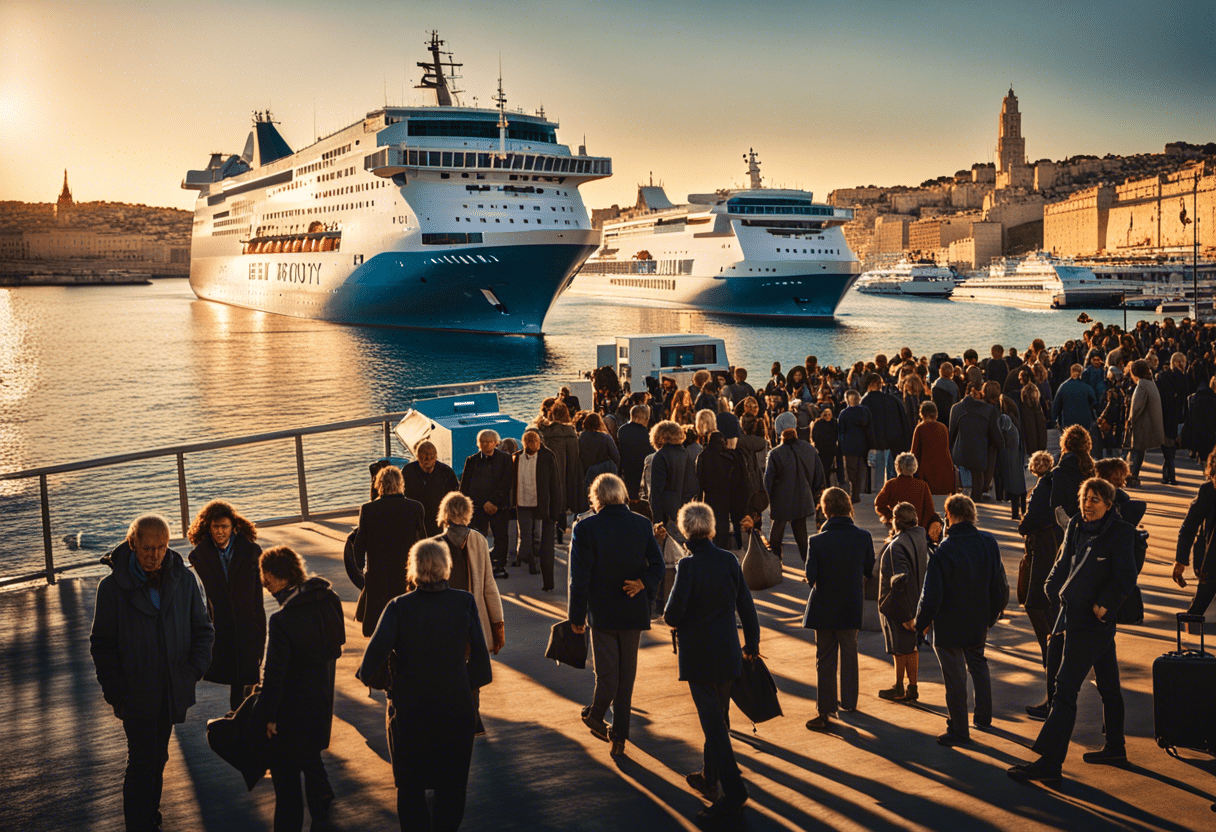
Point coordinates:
pixel 679 355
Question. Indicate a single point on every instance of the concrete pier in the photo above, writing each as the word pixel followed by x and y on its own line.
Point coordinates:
pixel 538 768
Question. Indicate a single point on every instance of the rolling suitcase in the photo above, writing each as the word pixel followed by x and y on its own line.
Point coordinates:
pixel 1184 696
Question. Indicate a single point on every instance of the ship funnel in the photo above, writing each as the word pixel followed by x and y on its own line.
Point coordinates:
pixel 264 144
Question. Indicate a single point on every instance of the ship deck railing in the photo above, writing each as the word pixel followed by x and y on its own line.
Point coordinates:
pixel 50 571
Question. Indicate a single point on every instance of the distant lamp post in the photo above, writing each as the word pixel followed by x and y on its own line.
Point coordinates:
pixel 1194 223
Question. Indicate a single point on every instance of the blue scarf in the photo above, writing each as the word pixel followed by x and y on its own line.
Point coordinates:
pixel 138 572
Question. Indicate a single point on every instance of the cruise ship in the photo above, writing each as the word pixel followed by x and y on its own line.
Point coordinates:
pixel 438 217
pixel 756 252
pixel 921 279
pixel 1040 281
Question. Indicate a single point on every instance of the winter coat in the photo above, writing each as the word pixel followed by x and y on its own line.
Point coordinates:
pixel 429 490
pixel 634 446
pixel 606 549
pixel 794 479
pixel 825 436
pixel 1200 521
pixel 667 482
pixel 754 451
pixel 388 527
pixel 692 450
pixel 488 479
pixel 563 441
pixel 890 421
pixel 1106 576
pixel 1144 417
pixel 905 489
pixel 973 430
pixel 838 560
pixel 425 637
pixel 306 638
pixel 141 650
pixel 945 396
pixel 597 454
pixel 965 588
pixel 482 584
pixel 856 431
pixel 1043 537
pixel 709 591
pixel 1199 430
pixel 722 480
pixel 1011 462
pixel 934 465
pixel 1172 387
pixel 1074 404
pixel 901 572
pixel 1034 427
pixel 1066 479
pixel 234 602
pixel 548 490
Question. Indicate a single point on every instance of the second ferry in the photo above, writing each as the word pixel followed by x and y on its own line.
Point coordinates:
pixel 757 252
pixel 438 217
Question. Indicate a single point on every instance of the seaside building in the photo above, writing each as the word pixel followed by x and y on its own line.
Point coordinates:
pixel 1011 168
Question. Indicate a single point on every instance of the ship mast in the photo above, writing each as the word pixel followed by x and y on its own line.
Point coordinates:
pixel 433 77
pixel 753 168
pixel 501 100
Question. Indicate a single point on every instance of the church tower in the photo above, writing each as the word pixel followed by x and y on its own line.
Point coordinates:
pixel 65 203
pixel 1010 146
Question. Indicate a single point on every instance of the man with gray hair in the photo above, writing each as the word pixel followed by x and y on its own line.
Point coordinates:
pixel 615 569
pixel 486 480
pixel 964 594
pixel 633 441
pixel 151 643
pixel 428 481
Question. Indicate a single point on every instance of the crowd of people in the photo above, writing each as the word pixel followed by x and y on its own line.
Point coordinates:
pixel 655 488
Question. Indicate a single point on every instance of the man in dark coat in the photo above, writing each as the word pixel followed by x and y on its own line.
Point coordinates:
pixel 1172 387
pixel 615 569
pixel 856 440
pixel 973 433
pixel 722 481
pixel 388 527
pixel 296 703
pixel 891 433
pixel 839 559
pixel 151 643
pixel 633 441
pixel 964 594
pixel 794 479
pixel 225 558
pixel 668 472
pixel 428 481
pixel 1198 536
pixel 997 368
pixel 537 501
pixel 708 593
pixel 1093 576
pixel 486 480
pixel 1199 428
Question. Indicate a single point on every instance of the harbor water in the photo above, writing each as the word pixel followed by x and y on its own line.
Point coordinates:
pixel 87 372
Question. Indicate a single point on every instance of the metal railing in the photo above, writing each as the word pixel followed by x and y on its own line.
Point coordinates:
pixel 180 451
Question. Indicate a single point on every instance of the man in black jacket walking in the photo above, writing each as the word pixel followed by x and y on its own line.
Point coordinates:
pixel 965 592
pixel 486 480
pixel 151 643
pixel 428 481
pixel 633 440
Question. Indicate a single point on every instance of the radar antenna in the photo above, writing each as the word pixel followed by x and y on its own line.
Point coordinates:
pixel 433 77
pixel 501 100
pixel 753 168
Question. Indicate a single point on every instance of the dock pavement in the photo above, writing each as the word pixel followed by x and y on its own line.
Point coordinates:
pixel 538 768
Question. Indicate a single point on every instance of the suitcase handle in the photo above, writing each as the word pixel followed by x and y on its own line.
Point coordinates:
pixel 1186 618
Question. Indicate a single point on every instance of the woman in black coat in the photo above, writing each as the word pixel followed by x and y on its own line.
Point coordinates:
pixel 1042 536
pixel 721 479
pixel 427 634
pixel 1075 466
pixel 388 527
pixel 296 703
pixel 225 558
pixel 1197 536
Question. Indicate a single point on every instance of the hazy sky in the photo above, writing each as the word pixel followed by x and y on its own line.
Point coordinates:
pixel 129 95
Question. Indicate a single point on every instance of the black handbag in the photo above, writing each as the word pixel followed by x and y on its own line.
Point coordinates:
pixel 238 741
pixel 566 646
pixel 755 693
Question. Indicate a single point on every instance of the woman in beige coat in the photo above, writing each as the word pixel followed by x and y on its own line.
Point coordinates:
pixel 472 572
pixel 1145 426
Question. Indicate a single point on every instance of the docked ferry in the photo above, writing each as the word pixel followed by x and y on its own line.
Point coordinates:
pixel 920 279
pixel 436 217
pixel 757 252
pixel 1040 281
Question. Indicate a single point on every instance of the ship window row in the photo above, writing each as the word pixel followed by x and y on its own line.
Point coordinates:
pixel 324 163
pixel 534 208
pixel 336 174
pixel 451 239
pixel 335 153
pixel 511 221
pixel 643 283
pixel 513 161
pixel 299 212
pixel 471 129
pixel 470 259
pixel 812 210
pixel 811 251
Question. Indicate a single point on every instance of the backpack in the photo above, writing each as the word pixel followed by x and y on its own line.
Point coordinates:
pixel 1131 611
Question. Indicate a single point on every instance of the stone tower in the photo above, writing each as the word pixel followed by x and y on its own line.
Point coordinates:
pixel 1010 146
pixel 65 203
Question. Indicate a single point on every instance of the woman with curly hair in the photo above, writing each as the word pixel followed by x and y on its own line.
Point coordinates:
pixel 225 557
pixel 1075 467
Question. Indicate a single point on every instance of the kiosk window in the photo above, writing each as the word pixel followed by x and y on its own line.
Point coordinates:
pixel 686 356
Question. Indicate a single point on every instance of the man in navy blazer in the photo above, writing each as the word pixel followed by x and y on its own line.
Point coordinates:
pixel 708 592
pixel 838 561
pixel 964 594
pixel 633 440
pixel 615 569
